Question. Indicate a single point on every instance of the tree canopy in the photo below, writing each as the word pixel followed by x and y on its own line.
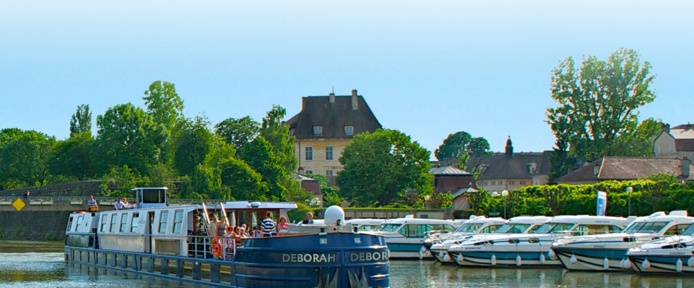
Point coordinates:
pixel 598 104
pixel 380 167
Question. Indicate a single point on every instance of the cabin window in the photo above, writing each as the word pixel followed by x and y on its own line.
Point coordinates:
pixel 178 221
pixel 162 221
pixel 69 223
pixel 79 221
pixel 329 153
pixel 133 221
pixel 674 230
pixel 309 153
pixel 123 221
pixel 103 224
pixel 113 223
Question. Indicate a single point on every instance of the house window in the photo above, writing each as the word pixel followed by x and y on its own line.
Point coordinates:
pixel 493 182
pixel 511 182
pixel 309 153
pixel 349 130
pixel 328 153
pixel 328 173
pixel 309 172
pixel 317 130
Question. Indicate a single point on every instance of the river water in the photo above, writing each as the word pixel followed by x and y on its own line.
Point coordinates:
pixel 41 264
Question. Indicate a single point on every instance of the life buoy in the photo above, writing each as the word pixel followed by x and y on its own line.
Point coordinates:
pixel 217 247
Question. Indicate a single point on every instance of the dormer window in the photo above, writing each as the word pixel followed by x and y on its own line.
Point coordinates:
pixel 482 167
pixel 532 168
pixel 317 130
pixel 349 130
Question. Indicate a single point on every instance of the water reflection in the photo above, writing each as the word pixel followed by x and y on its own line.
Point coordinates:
pixel 41 264
pixel 432 274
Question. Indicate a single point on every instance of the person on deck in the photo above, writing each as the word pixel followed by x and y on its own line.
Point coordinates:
pixel 309 218
pixel 118 205
pixel 267 225
pixel 91 204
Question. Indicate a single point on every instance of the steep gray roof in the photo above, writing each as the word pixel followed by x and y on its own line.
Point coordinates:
pixel 333 117
pixel 500 166
pixel 623 168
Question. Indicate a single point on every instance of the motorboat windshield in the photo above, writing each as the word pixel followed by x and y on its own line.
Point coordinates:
pixel 549 228
pixel 646 227
pixel 513 228
pixel 468 227
pixel 689 230
pixel 392 227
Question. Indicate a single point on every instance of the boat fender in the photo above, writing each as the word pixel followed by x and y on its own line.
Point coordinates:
pixel 605 263
pixel 542 258
pixel 678 265
pixel 459 258
pixel 493 260
pixel 645 264
pixel 217 247
pixel 552 255
pixel 573 259
pixel 626 263
pixel 690 262
pixel 446 258
pixel 518 260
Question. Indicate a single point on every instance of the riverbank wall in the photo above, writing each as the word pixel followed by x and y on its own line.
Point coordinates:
pixel 33 225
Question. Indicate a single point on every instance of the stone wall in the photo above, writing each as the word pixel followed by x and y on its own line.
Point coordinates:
pixel 82 188
pixel 33 225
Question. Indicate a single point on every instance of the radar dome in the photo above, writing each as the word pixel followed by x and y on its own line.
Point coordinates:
pixel 334 214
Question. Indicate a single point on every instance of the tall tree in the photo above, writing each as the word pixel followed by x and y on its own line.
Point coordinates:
pixel 166 108
pixel 238 132
pixel 599 102
pixel 453 146
pixel 192 146
pixel 381 166
pixel 260 156
pixel 81 121
pixel 278 135
pixel 128 136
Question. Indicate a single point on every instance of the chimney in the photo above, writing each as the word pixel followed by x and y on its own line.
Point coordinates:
pixel 509 148
pixel 355 100
pixel 665 127
pixel 332 97
pixel 596 169
pixel 684 167
pixel 303 103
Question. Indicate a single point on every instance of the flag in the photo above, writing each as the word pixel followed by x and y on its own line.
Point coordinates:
pixel 602 203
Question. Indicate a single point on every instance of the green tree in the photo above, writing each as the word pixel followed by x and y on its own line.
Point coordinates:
pixel 81 121
pixel 73 158
pixel 278 135
pixel 128 136
pixel 461 144
pixel 243 182
pixel 24 156
pixel 260 156
pixel 380 167
pixel 599 102
pixel 192 146
pixel 166 108
pixel 238 132
pixel 331 196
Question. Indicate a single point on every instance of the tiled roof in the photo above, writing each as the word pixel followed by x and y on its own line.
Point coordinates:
pixel 448 170
pixel 623 168
pixel 333 117
pixel 499 166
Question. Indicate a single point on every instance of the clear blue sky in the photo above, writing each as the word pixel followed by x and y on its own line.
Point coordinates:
pixel 426 68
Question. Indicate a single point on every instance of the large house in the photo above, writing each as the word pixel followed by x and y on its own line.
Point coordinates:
pixel 676 142
pixel 510 170
pixel 627 168
pixel 323 129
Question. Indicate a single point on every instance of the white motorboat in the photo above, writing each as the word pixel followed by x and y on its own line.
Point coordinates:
pixel 608 252
pixel 404 236
pixel 674 254
pixel 520 224
pixel 365 224
pixel 532 248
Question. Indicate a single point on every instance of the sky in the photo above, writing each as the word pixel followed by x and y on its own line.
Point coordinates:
pixel 426 68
